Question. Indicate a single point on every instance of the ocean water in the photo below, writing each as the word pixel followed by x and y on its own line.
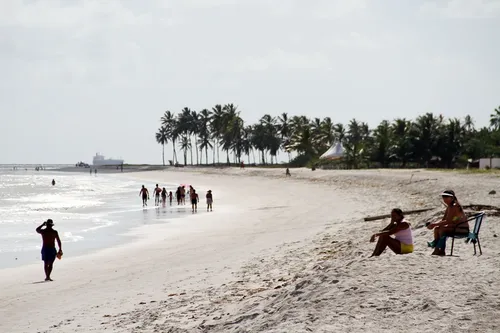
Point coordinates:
pixel 90 212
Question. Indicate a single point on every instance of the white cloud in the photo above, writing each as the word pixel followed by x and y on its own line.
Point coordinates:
pixel 355 40
pixel 334 9
pixel 58 14
pixel 280 59
pixel 456 9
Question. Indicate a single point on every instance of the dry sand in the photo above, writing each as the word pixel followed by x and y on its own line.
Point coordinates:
pixel 276 255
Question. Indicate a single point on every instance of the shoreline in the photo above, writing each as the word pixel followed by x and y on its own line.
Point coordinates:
pixel 286 238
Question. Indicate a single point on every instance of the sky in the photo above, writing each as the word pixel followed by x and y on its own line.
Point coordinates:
pixel 86 76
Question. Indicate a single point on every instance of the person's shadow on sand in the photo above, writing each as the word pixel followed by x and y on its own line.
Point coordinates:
pixel 42 281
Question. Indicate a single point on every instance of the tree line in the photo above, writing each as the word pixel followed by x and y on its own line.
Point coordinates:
pixel 429 140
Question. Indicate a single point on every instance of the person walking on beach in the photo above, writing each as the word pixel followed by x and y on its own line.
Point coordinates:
pixel 194 200
pixel 164 196
pixel 170 196
pixel 183 195
pixel 157 195
pixel 401 243
pixel 178 195
pixel 210 200
pixel 49 253
pixel 145 196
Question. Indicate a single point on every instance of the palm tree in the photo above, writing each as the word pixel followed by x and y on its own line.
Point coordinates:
pixel 168 121
pixel 185 146
pixel 468 124
pixel 400 132
pixel 285 130
pixel 271 139
pixel 430 138
pixel 425 134
pixel 183 129
pixel 204 132
pixel 450 145
pixel 495 119
pixel 339 133
pixel 216 124
pixel 382 140
pixel 162 138
pixel 195 130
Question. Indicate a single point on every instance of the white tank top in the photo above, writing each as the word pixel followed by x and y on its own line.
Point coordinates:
pixel 405 236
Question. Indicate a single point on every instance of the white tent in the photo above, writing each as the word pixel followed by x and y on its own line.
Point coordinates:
pixel 335 152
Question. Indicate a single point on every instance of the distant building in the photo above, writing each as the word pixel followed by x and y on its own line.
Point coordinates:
pixel 489 163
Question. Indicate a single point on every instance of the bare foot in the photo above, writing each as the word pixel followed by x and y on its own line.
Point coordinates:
pixel 438 252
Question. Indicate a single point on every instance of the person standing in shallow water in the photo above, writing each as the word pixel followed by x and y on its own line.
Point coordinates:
pixel 194 200
pixel 164 196
pixel 157 195
pixel 210 200
pixel 145 196
pixel 401 243
pixel 49 253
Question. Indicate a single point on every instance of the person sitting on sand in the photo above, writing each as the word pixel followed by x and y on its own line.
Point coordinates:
pixel 145 196
pixel 194 200
pixel 401 243
pixel 453 222
pixel 210 200
pixel 49 253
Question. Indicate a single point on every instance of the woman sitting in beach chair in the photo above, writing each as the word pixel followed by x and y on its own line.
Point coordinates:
pixel 454 222
pixel 401 243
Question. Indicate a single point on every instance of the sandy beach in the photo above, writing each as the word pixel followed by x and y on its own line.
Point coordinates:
pixel 276 255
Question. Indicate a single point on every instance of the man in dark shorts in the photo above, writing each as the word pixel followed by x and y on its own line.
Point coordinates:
pixel 157 195
pixel 49 253
pixel 145 196
pixel 194 199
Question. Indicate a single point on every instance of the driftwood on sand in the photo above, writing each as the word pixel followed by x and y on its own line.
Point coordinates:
pixel 407 212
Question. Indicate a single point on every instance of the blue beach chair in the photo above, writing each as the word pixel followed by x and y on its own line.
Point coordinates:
pixel 473 236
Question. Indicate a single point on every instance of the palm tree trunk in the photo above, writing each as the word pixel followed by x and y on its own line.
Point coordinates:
pixel 218 157
pixel 163 153
pixel 175 153
pixel 196 147
pixel 213 152
pixel 206 155
pixel 191 150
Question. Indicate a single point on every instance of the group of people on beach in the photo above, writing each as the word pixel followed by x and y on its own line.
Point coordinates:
pixel 398 235
pixel 180 195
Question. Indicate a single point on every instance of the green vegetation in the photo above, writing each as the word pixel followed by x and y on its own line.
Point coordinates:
pixel 428 141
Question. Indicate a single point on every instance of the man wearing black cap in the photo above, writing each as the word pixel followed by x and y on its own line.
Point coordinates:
pixel 49 253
